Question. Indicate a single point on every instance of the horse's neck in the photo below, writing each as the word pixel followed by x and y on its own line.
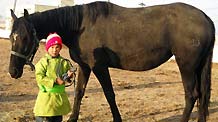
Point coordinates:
pixel 43 26
pixel 65 21
pixel 50 21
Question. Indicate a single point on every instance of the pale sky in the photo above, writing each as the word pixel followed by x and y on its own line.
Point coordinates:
pixel 210 7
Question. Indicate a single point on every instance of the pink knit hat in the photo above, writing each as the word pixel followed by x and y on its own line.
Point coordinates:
pixel 53 39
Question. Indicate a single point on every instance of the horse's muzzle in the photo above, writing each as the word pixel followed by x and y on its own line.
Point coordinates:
pixel 15 73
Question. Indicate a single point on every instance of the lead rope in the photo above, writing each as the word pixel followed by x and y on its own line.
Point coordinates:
pixel 73 69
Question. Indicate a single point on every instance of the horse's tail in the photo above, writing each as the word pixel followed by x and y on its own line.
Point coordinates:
pixel 205 74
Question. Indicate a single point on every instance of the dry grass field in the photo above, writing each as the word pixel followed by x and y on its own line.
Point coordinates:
pixel 150 96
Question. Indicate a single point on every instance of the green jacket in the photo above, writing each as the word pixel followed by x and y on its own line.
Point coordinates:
pixel 52 99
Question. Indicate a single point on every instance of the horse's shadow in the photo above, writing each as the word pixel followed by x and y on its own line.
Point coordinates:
pixel 176 118
pixel 17 97
pixel 194 116
pixel 131 86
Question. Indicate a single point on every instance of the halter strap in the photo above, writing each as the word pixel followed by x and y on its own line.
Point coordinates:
pixel 18 55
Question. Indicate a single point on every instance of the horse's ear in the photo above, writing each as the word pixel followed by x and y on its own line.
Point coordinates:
pixel 13 15
pixel 26 13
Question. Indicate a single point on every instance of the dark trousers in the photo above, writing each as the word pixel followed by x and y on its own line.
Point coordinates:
pixel 49 119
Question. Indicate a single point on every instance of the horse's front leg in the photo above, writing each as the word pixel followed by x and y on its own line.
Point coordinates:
pixel 83 76
pixel 103 76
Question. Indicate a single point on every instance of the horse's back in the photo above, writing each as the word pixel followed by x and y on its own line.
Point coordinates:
pixel 144 38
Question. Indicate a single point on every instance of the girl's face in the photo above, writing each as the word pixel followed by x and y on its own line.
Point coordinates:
pixel 54 50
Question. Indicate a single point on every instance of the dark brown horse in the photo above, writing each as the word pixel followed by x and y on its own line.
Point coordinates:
pixel 100 35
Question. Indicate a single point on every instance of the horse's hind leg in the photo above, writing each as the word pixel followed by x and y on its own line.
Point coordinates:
pixel 103 76
pixel 189 83
pixel 83 76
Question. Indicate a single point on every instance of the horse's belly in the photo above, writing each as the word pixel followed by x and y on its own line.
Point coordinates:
pixel 142 62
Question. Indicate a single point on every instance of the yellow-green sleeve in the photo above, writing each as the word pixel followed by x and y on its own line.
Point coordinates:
pixel 41 76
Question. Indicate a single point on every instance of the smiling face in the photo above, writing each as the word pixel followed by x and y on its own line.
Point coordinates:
pixel 54 50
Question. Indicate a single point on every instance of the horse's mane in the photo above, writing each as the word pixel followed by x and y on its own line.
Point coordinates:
pixel 67 18
pixel 96 9
pixel 71 16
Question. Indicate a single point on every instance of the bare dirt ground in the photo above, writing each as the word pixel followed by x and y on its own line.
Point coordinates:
pixel 151 96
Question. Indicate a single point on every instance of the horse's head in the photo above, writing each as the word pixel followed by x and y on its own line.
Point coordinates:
pixel 24 44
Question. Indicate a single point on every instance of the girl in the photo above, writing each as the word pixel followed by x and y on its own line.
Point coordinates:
pixel 52 101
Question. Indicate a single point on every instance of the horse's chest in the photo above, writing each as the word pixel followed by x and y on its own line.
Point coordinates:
pixel 87 55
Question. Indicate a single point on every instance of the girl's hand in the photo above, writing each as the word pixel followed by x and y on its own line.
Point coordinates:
pixel 59 81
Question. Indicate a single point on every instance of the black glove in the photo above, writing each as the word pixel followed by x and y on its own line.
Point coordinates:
pixel 66 78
